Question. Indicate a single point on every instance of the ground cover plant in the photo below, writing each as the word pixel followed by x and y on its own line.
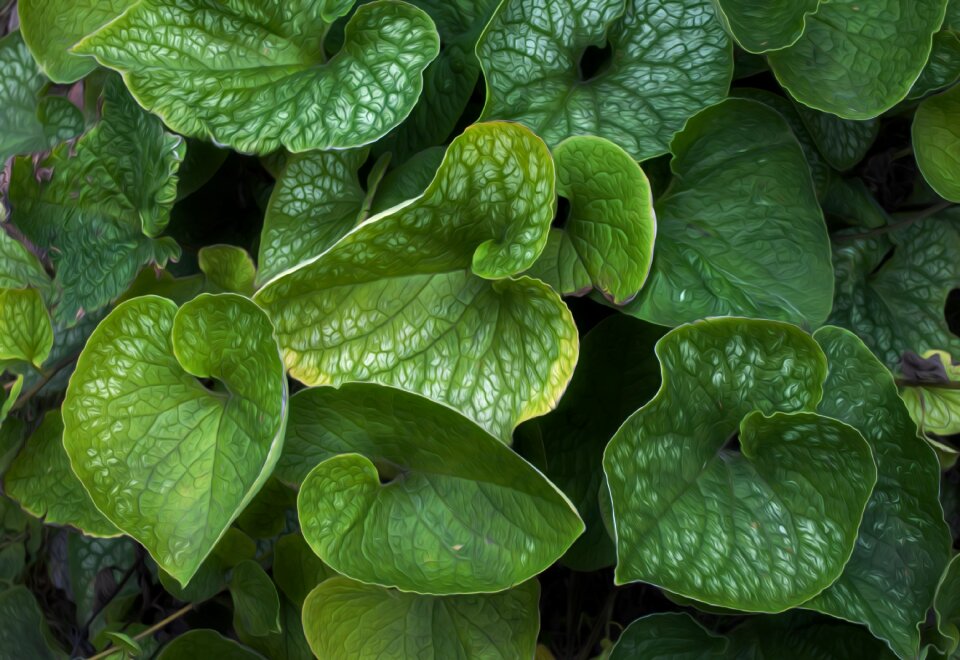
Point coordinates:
pixel 433 329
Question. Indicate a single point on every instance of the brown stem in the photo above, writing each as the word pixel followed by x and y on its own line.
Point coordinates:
pixel 895 226
pixel 146 633
pixel 950 385
pixel 48 375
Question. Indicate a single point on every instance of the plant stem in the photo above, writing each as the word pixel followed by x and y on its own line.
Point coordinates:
pixel 47 377
pixel 895 226
pixel 951 385
pixel 146 633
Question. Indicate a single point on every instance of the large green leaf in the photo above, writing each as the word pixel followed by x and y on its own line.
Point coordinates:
pixel 105 197
pixel 408 493
pixel 760 529
pixel 25 330
pixel 395 300
pixel 936 142
pixel 254 77
pixel 205 643
pixel 40 479
pixel 947 605
pixel 256 603
pixel 183 460
pixel 762 27
pixel 31 121
pixel 896 304
pixel 608 236
pixel 858 59
pixel 904 544
pixel 52 27
pixel 343 618
pixel 667 636
pixel 739 229
pixel 670 59
pixel 23 631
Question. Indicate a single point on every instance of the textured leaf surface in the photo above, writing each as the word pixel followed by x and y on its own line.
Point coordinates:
pixel 762 27
pixel 763 529
pixel 18 266
pixel 266 84
pixel 947 604
pixel 739 229
pixel 671 59
pixel 936 142
pixel 904 544
pixel 395 302
pixel 40 479
pixel 228 269
pixel 858 59
pixel 25 330
pixel 348 619
pixel 183 460
pixel 23 631
pixel 256 604
pixel 410 494
pixel 668 636
pixel 843 142
pixel 205 644
pixel 611 227
pixel 935 405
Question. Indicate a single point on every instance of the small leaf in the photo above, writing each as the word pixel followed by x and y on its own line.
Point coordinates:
pixel 256 604
pixel 125 642
pixel 228 269
pixel 204 643
pixel 936 142
pixel 667 636
pixel 25 329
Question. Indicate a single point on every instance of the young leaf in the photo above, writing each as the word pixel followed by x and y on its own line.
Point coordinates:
pixel 203 643
pixel 395 302
pixel 255 78
pixel 228 269
pixel 25 329
pixel 760 28
pixel 343 618
pixel 740 181
pixel 256 604
pixel 183 460
pixel 531 53
pixel 936 142
pixel 667 636
pixel 761 529
pixel 87 559
pixel 410 494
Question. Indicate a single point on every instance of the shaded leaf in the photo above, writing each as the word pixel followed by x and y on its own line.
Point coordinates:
pixel 667 636
pixel 936 142
pixel 256 604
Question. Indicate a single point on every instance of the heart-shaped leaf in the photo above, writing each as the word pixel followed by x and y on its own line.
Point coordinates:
pixel 760 529
pixel 267 83
pixel 531 53
pixel 936 142
pixel 183 460
pixel 762 27
pixel 25 330
pixel 408 493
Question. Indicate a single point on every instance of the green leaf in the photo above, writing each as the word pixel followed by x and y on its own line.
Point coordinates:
pixel 667 636
pixel 211 578
pixel 266 515
pixel 842 142
pixel 760 28
pixel 408 493
pixel 40 479
pixel 848 200
pixel 760 529
pixel 256 604
pixel 803 636
pixel 117 183
pixel 205 643
pixel 936 142
pixel 19 267
pixel 896 304
pixel 296 569
pixel 904 544
pixel 947 605
pixel 934 404
pixel 859 59
pixel 288 644
pixel 617 373
pixel 408 180
pixel 87 558
pixel 943 67
pixel 23 630
pixel 610 231
pixel 256 79
pixel 740 182
pixel 124 642
pixel 52 27
pixel 531 51
pixel 228 269
pixel 394 301
pixel 183 460
pixel 343 618
pixel 25 329
pixel 32 122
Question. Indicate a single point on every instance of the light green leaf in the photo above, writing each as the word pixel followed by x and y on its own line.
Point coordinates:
pixel 211 578
pixel 667 636
pixel 256 604
pixel 934 403
pixel 859 59
pixel 228 269
pixel 31 122
pixel 343 618
pixel 670 59
pixel 760 529
pixel 947 605
pixel 40 479
pixel 904 544
pixel 10 397
pixel 395 301
pixel 739 231
pixel 843 142
pixel 610 231
pixel 296 569
pixel 117 183
pixel 205 643
pixel 408 493
pixel 896 305
pixel 936 142
pixel 25 329
pixel 23 630
pixel 762 27
pixel 52 27
pixel 18 266
pixel 255 78
pixel 184 460
pixel 124 642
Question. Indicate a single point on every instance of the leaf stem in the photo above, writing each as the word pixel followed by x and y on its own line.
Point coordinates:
pixel 48 375
pixel 951 385
pixel 895 226
pixel 149 631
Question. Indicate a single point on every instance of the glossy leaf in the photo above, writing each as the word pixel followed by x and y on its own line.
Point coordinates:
pixel 667 636
pixel 204 643
pixel 268 84
pixel 256 604
pixel 408 493
pixel 23 630
pixel 934 403
pixel 395 302
pixel 201 455
pixel 670 59
pixel 228 269
pixel 759 28
pixel 739 229
pixel 25 330
pixel 845 63
pixel 761 529
pixel 947 605
pixel 343 618
pixel 936 142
